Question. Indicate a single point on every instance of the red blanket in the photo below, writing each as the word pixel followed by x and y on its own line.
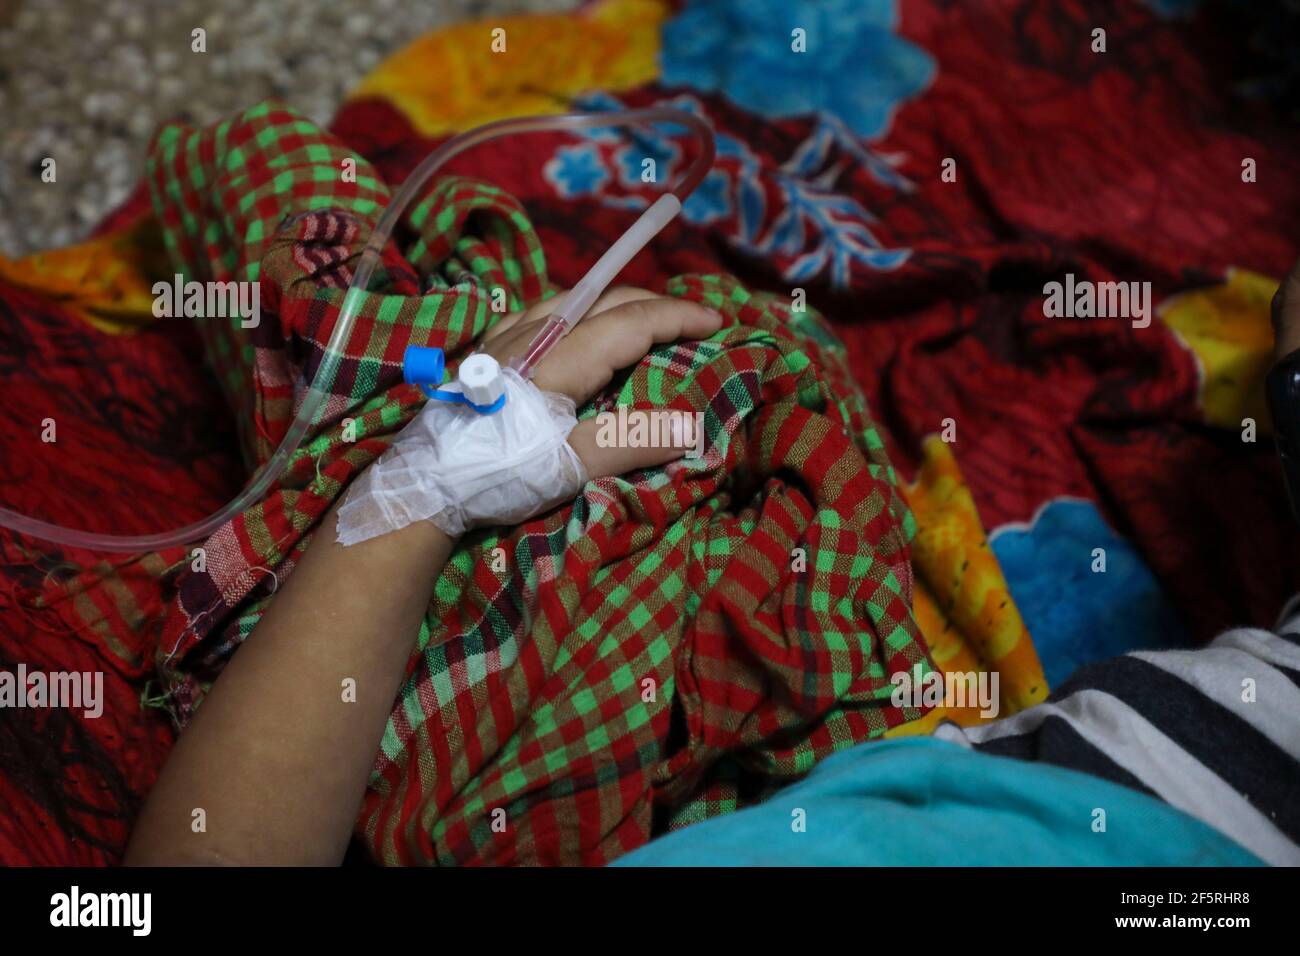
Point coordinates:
pixel 1149 162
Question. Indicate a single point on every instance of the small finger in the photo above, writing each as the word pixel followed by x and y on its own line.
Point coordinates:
pixel 609 299
pixel 618 295
pixel 623 335
pixel 602 458
pixel 655 320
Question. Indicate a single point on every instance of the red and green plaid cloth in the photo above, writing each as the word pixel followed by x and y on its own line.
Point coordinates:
pixel 674 644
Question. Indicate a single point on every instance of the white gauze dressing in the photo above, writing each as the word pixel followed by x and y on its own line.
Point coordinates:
pixel 461 469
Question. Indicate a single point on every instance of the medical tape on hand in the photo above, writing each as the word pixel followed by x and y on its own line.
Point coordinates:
pixel 461 469
pixel 444 395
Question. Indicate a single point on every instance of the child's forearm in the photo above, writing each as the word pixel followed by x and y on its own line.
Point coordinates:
pixel 278 755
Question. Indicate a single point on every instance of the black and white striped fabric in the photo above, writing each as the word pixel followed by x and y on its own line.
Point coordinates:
pixel 1214 732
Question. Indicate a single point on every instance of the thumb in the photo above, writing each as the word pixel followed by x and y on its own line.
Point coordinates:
pixel 602 457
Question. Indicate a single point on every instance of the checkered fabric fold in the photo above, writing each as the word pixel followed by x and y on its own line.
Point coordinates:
pixel 675 643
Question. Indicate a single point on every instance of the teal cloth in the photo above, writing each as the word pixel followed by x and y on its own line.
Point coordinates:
pixel 918 801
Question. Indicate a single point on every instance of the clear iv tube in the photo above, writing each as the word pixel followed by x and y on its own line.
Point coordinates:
pixel 318 391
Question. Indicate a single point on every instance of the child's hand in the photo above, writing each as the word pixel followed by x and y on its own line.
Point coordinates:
pixel 618 331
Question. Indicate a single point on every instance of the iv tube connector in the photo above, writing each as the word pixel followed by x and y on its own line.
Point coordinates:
pixel 590 287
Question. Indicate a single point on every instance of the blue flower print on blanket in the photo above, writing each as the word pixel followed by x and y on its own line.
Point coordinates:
pixel 1075 612
pixel 855 65
pixel 576 170
pixel 814 229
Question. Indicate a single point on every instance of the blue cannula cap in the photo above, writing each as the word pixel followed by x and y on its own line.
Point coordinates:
pixel 422 366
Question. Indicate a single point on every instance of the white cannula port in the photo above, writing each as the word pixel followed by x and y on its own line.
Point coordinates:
pixel 480 379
